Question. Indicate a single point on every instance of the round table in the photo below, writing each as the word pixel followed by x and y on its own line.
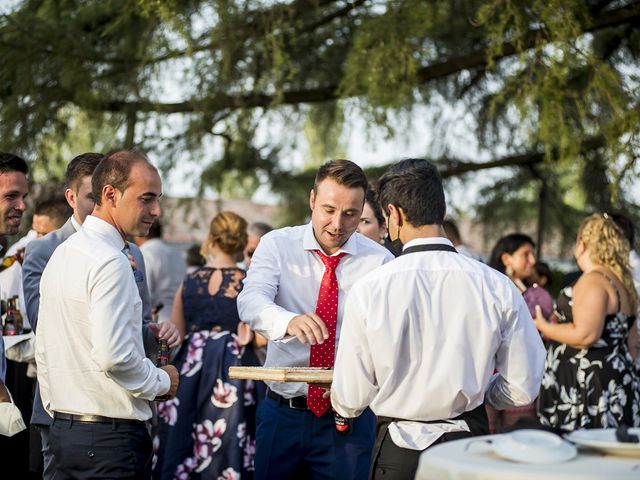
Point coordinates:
pixel 472 458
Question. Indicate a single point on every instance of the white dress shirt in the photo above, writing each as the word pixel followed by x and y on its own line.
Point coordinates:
pixel 467 252
pixel 166 268
pixel 422 337
pixel 89 350
pixel 284 280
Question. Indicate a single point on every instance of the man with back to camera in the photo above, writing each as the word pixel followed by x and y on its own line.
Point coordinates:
pixel 424 333
pixel 294 295
pixel 94 377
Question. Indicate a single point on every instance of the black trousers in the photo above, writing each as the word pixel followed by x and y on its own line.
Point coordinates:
pixel 390 462
pixel 396 463
pixel 100 450
pixel 17 447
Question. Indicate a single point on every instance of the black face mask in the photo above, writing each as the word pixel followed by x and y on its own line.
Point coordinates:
pixel 394 246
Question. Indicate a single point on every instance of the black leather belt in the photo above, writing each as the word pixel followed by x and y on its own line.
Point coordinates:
pixel 94 419
pixel 297 403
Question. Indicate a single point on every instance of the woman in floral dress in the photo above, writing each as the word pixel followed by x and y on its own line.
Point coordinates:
pixel 207 431
pixel 590 380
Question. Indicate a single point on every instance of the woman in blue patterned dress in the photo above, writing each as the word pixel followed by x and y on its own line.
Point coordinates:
pixel 590 380
pixel 207 431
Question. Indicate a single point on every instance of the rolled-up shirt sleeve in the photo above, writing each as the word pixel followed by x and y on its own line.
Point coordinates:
pixel 256 305
pixel 115 321
pixel 519 359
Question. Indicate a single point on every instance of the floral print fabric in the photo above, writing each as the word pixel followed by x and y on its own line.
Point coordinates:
pixel 208 430
pixel 596 387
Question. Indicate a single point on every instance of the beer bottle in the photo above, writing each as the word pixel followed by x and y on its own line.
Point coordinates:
pixel 344 426
pixel 162 361
pixel 18 319
pixel 10 321
pixel 163 353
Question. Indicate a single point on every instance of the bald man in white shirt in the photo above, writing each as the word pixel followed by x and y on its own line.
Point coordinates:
pixel 423 334
pixel 94 377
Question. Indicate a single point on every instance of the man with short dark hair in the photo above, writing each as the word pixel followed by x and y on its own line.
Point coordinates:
pixel 419 352
pixel 94 377
pixel 254 233
pixel 13 191
pixel 294 295
pixel 50 215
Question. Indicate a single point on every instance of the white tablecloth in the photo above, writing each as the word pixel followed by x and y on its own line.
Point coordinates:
pixel 454 461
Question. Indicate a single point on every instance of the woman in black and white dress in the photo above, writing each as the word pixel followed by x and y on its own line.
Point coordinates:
pixel 590 380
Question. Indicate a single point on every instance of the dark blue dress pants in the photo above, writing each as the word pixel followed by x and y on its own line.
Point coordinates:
pixel 295 444
pixel 100 450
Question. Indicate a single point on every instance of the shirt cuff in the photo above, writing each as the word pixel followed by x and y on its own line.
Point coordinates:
pixel 164 382
pixel 279 320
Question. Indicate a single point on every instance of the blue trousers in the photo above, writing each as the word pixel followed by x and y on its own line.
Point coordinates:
pixel 295 444
pixel 49 471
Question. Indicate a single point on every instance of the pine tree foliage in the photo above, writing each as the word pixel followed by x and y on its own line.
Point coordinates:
pixel 550 83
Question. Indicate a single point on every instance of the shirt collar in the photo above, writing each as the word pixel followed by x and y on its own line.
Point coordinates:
pixel 105 230
pixel 427 241
pixel 309 242
pixel 75 223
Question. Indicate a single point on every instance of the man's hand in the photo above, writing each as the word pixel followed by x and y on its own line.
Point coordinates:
pixel 175 379
pixel 4 393
pixel 245 334
pixel 308 327
pixel 166 331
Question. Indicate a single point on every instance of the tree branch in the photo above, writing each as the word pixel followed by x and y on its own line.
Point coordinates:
pixel 455 168
pixel 470 61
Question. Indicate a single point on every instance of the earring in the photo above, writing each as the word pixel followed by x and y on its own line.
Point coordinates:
pixel 509 271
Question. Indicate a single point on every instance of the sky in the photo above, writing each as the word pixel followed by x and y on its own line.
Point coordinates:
pixel 371 148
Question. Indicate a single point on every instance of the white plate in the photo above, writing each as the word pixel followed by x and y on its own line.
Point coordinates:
pixel 533 446
pixel 604 439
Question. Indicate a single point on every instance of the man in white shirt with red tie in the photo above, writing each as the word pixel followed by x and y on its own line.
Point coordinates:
pixel 423 334
pixel 294 295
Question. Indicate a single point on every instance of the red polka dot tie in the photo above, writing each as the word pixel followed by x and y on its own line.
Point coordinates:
pixel 322 355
